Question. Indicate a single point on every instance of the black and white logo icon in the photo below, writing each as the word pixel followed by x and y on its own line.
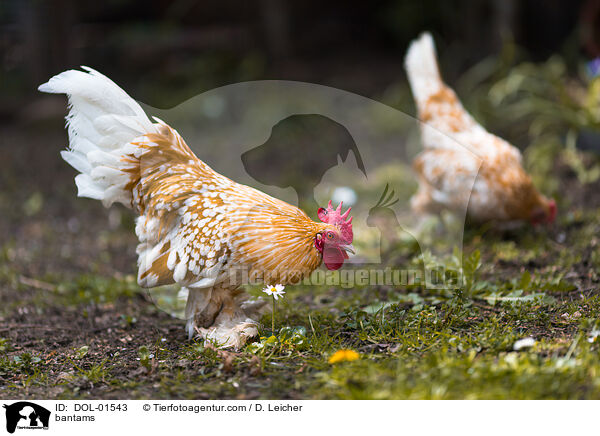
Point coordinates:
pixel 26 415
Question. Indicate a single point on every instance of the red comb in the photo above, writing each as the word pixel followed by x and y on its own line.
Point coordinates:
pixel 336 218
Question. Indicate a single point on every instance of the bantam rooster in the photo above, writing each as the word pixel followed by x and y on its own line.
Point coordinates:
pixel 196 227
pixel 455 145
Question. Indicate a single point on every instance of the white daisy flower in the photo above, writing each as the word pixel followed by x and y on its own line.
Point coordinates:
pixel 275 290
pixel 594 335
pixel 523 343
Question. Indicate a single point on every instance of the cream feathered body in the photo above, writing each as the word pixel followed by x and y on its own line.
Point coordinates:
pixel 462 163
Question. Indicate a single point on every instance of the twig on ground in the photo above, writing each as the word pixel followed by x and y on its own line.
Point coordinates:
pixel 35 283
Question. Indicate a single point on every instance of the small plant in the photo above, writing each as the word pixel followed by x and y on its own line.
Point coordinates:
pixel 575 159
pixel 470 266
pixel 145 357
pixel 293 338
pixel 95 373
pixel 81 352
pixel 275 291
pixel 5 345
pixel 27 363
pixel 289 338
pixel 127 321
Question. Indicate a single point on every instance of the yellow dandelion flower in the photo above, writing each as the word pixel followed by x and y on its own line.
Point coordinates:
pixel 344 356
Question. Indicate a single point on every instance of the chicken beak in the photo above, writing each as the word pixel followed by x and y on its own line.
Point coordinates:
pixel 349 248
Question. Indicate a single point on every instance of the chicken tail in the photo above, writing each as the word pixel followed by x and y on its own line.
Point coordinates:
pixel 422 69
pixel 103 125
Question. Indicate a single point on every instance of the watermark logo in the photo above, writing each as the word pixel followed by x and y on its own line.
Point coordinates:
pixel 307 144
pixel 25 415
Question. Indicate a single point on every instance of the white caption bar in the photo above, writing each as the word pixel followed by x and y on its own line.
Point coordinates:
pixel 258 417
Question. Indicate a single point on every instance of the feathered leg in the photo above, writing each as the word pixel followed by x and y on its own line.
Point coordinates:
pixel 222 315
pixel 200 310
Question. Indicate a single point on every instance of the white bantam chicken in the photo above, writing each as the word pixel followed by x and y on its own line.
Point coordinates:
pixel 196 228
pixel 455 146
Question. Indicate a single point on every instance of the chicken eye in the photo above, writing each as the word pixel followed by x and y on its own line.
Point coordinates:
pixel 329 235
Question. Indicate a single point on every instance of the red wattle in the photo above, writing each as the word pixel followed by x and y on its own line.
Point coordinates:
pixel 333 257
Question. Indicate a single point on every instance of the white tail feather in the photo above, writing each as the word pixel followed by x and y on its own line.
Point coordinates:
pixel 422 68
pixel 103 121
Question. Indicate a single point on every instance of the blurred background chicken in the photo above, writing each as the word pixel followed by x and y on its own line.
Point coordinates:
pixel 196 227
pixel 458 151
